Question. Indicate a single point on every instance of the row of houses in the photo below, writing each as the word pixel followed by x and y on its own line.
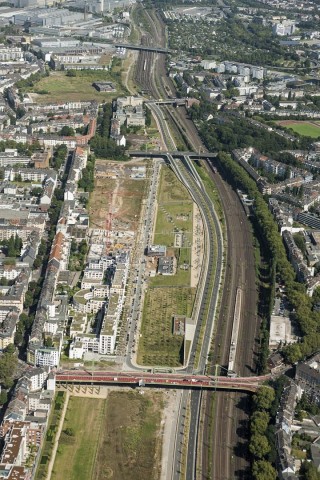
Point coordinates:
pixel 24 424
pixel 103 294
pixel 51 314
pixel 127 111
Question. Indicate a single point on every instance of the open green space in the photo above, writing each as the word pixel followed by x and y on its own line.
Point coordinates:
pixel 157 344
pixel 174 216
pixel 130 444
pixel 306 129
pixel 79 439
pixel 181 277
pixel 55 415
pixel 171 219
pixel 62 88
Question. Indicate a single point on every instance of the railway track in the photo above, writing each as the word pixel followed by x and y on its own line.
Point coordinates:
pixel 230 409
pixel 221 433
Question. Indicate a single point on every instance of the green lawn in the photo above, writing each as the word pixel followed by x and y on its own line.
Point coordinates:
pixel 306 129
pixel 182 277
pixel 61 88
pixel 76 453
pixel 157 344
pixel 174 215
pixel 55 415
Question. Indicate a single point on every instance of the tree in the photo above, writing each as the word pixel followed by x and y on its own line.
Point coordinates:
pixel 28 300
pixel 259 446
pixel 309 471
pixel 48 342
pixel 66 131
pixel 3 397
pixel 8 364
pixel 292 353
pixel 36 191
pixel 263 398
pixel 10 349
pixel 259 422
pixel 11 247
pixel 37 262
pixel 263 470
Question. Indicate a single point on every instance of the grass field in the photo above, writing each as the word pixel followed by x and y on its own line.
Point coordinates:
pixel 306 129
pixel 130 444
pixel 76 453
pixel 175 214
pixel 158 345
pixel 61 88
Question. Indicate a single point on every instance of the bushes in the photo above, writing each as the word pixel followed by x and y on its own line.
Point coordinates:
pixel 87 180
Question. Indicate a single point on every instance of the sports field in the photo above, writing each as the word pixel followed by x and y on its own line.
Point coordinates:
pixel 307 129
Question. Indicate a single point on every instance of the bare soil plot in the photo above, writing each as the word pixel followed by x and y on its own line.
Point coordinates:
pixel 120 196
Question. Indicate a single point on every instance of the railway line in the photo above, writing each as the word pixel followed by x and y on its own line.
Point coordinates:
pixel 240 272
pixel 230 409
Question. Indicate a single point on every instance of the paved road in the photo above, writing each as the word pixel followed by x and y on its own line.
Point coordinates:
pixel 157 379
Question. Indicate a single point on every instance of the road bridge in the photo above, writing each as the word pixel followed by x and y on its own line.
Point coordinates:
pixel 167 101
pixel 146 379
pixel 175 154
pixel 143 48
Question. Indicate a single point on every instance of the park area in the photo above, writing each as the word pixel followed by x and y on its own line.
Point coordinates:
pixel 59 87
pixel 158 345
pixel 307 129
pixel 115 438
pixel 174 216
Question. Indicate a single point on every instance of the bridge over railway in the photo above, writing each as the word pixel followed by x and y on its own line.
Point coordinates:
pixel 143 48
pixel 167 101
pixel 147 379
pixel 176 154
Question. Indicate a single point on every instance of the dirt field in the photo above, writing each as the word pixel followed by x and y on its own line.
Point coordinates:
pixel 117 194
pixel 130 444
